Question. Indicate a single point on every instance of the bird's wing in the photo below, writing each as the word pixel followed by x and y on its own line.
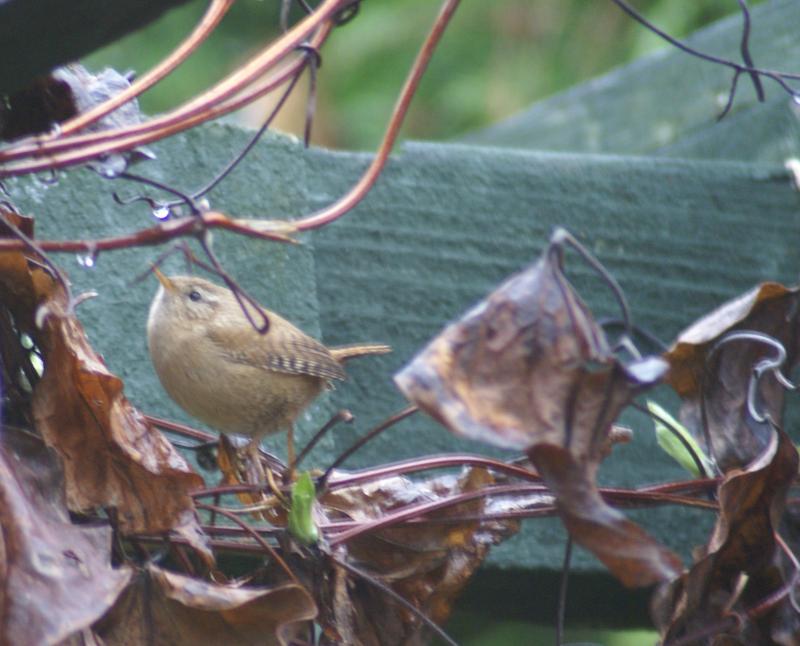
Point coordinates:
pixel 283 348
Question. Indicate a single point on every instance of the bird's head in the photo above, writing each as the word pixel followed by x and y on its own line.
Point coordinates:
pixel 189 298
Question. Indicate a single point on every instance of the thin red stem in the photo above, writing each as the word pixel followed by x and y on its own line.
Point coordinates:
pixel 367 181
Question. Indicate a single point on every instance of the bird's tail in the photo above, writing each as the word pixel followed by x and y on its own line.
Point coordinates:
pixel 345 352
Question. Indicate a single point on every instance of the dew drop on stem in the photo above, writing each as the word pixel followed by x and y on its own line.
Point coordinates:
pixel 88 259
pixel 162 212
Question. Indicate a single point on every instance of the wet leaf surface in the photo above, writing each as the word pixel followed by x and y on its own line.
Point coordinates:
pixel 529 368
pixel 162 607
pixel 56 577
pixel 714 386
pixel 427 563
pixel 630 554
pixel 113 458
pixel 511 370
pixel 738 568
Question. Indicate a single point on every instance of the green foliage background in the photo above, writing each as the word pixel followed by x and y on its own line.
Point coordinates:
pixel 496 58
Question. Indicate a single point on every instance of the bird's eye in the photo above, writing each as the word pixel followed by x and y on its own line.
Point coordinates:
pixel 195 295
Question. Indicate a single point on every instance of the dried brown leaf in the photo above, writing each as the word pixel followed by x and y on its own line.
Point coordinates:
pixel 752 502
pixel 529 368
pixel 428 564
pixel 162 607
pixel 86 637
pixel 715 388
pixel 629 553
pixel 113 458
pixel 56 578
pixel 527 365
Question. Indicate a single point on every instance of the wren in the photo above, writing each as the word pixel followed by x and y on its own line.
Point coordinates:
pixel 221 370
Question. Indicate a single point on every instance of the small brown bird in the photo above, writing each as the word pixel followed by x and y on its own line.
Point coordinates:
pixel 221 370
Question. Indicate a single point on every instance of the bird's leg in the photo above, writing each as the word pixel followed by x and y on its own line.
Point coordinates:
pixel 275 488
pixel 257 475
pixel 255 469
pixel 288 476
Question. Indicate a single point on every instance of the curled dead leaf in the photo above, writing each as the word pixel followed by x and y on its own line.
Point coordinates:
pixel 713 381
pixel 529 368
pixel 630 554
pixel 56 577
pixel 427 563
pixel 738 567
pixel 527 365
pixel 113 458
pixel 162 607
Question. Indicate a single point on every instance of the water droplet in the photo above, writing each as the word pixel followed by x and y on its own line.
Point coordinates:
pixel 796 98
pixel 88 259
pixel 42 312
pixel 162 212
pixel 110 166
pixel 49 178
pixel 203 204
pixel 37 363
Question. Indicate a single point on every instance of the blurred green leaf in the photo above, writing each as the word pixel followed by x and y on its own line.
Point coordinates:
pixel 496 58
pixel 665 434
pixel 301 514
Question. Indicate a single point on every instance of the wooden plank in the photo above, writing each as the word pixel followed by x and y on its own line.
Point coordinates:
pixel 444 225
pixel 447 223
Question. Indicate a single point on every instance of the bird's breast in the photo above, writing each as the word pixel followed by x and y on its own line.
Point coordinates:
pixel 229 396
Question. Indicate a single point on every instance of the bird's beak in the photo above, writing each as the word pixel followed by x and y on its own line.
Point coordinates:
pixel 166 282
